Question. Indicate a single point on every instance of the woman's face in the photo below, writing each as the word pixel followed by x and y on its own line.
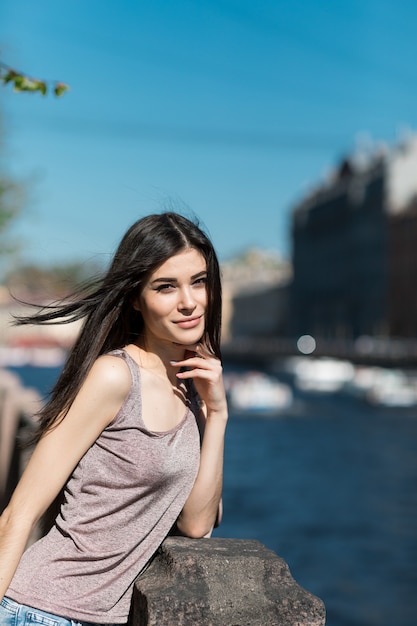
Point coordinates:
pixel 173 301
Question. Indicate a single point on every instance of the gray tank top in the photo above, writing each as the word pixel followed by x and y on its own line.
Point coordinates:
pixel 120 503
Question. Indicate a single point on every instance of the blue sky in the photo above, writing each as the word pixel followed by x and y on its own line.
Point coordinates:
pixel 226 109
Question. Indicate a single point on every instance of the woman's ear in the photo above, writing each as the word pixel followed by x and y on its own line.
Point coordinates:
pixel 136 304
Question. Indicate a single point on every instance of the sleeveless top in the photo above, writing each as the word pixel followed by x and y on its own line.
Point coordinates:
pixel 121 501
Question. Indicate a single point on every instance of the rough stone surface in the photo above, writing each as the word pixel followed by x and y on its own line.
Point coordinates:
pixel 221 582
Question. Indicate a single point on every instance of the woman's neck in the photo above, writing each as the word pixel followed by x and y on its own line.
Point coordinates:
pixel 158 359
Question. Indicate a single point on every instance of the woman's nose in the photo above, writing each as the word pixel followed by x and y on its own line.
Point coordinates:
pixel 187 301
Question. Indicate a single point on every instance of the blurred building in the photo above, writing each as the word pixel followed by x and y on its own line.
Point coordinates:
pixel 402 252
pixel 256 290
pixel 354 259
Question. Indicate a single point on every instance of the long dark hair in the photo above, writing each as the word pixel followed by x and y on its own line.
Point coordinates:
pixel 106 305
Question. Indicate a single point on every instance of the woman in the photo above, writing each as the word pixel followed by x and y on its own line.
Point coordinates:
pixel 133 431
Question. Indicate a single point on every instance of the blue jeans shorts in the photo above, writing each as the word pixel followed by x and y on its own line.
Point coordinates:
pixel 14 614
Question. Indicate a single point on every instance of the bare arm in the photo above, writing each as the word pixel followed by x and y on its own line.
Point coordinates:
pixel 203 505
pixel 56 455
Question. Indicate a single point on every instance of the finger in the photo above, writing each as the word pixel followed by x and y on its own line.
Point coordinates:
pixel 194 364
pixel 194 359
pixel 197 373
pixel 204 368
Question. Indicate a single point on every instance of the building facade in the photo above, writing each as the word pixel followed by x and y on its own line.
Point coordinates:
pixel 353 253
pixel 402 296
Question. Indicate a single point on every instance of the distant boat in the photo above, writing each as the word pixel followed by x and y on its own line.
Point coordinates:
pixel 376 385
pixel 386 387
pixel 322 375
pixel 256 392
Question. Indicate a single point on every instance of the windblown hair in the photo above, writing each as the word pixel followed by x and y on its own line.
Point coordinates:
pixel 106 305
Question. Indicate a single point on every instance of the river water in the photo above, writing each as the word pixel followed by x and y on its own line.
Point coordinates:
pixel 330 484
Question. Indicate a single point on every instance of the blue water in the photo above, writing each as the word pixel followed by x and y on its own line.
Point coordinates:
pixel 332 488
pixel 40 378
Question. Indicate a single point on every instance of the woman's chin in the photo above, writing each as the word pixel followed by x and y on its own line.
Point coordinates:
pixel 188 343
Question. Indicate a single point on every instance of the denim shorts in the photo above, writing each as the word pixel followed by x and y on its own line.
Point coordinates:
pixel 14 614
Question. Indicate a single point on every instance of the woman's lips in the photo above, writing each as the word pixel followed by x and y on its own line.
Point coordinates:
pixel 189 323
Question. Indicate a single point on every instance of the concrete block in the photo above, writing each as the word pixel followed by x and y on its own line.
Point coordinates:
pixel 221 582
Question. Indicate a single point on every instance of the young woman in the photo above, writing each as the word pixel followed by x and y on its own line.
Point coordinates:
pixel 133 432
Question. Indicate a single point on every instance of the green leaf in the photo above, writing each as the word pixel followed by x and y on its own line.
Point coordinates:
pixel 60 89
pixel 41 86
pixel 22 82
pixel 9 76
pixel 19 82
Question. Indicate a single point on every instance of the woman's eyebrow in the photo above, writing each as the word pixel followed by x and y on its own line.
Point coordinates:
pixel 164 280
pixel 174 280
pixel 199 275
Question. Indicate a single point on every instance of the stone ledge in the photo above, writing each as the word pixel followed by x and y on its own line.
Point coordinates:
pixel 221 582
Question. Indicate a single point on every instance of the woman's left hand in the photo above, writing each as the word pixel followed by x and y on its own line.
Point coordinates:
pixel 203 506
pixel 207 373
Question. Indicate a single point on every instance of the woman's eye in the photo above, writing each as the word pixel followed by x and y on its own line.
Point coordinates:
pixel 165 288
pixel 201 281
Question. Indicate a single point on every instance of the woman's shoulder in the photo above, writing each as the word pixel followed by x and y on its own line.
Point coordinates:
pixel 112 374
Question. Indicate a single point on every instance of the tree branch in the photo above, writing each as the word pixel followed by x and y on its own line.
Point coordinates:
pixel 23 82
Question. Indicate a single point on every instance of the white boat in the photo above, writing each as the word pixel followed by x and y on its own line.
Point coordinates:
pixel 322 374
pixel 256 392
